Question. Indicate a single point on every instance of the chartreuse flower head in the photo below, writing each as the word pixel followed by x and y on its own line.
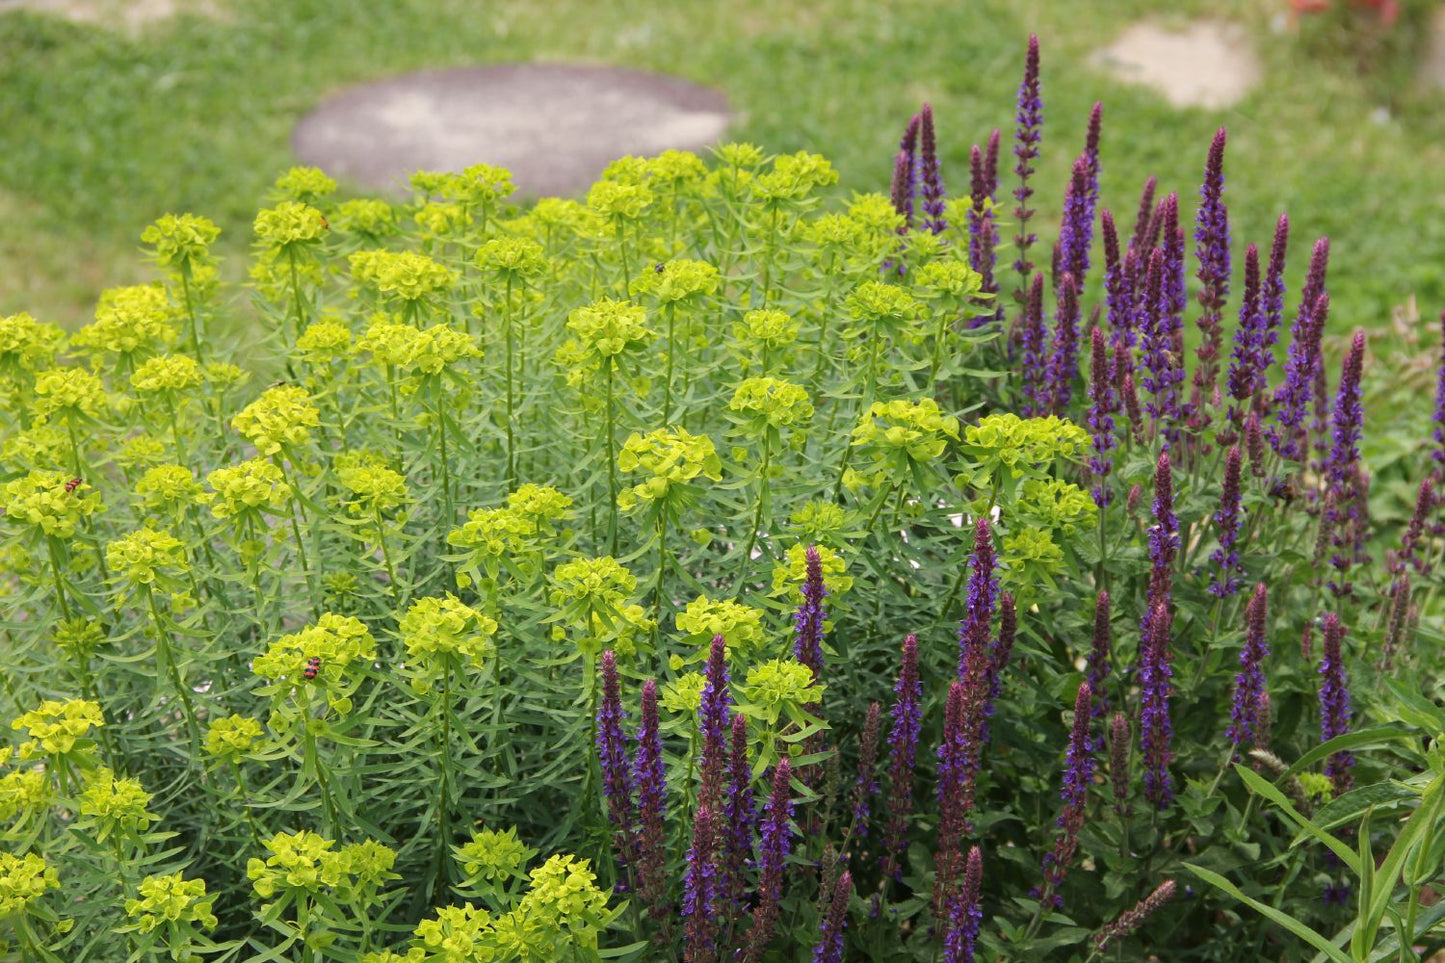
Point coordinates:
pixel 409 280
pixel 68 395
pixel 342 643
pixel 111 805
pixel 777 689
pixel 306 185
pixel 1022 445
pixel 1057 505
pixel 766 406
pixel 129 320
pixel 439 632
pixel 594 596
pixel 674 458
pixel 173 374
pixel 480 184
pixel 300 863
pixel 174 904
pixel 182 243
pixel 676 169
pixel 376 490
pixel 766 331
pixel 683 695
pixel 459 934
pixel 606 328
pixel 565 900
pixel 247 490
pixel 51 502
pixel 280 419
pixel 169 488
pixel 496 856
pixel 820 522
pixel 142 557
pixel 740 625
pixel 61 730
pixel 883 310
pixel 324 342
pixel 619 203
pixel 368 218
pixel 794 178
pixel 951 281
pixel 289 227
pixel 788 578
pixel 23 880
pixel 541 506
pixel 515 259
pixel 231 738
pixel 677 282
pixel 27 344
pixel 24 793
pixel 442 220
pixel 901 439
pixel 1031 559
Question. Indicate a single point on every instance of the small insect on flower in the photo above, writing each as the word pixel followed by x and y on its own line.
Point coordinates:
pixel 73 484
pixel 324 222
pixel 313 666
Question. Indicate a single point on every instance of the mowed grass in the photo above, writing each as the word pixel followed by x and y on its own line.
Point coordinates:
pixel 101 131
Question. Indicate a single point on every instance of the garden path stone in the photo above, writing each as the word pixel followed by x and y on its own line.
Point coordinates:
pixel 1208 63
pixel 555 127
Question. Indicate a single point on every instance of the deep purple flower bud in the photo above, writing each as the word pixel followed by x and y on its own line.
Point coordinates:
pixel 1118 285
pixel 905 173
pixel 1254 444
pixel 1211 249
pixel 1439 453
pixel 1271 298
pixel 865 787
pixel 1063 362
pixel 714 718
pixel 1395 624
pixel 982 232
pixel 1131 400
pixel 1224 580
pixel 612 759
pixel 1131 920
pixel 931 183
pixel 903 749
pixel 1159 357
pixel 740 816
pixel 1156 732
pixel 1078 776
pixel 1143 238
pixel 1293 396
pixel 1410 542
pixel 975 631
pixel 1164 533
pixel 1343 509
pixel 774 843
pixel 1101 418
pixel 990 163
pixel 1307 644
pixel 1119 740
pixel 1172 244
pixel 1335 704
pixel 1028 134
pixel 650 777
pixel 1076 233
pixel 808 620
pixel 829 948
pixel 955 790
pixel 699 884
pixel 1099 667
pixel 1246 374
pixel 1131 501
pixel 1001 652
pixel 1249 683
pixel 1034 363
pixel 965 913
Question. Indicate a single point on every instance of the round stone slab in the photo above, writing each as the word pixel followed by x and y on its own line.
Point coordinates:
pixel 555 127
pixel 1208 63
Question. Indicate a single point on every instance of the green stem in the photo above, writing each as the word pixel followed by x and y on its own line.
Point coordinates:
pixel 671 311
pixel 511 404
pixel 610 441
pixel 168 665
pixel 762 504
pixel 59 579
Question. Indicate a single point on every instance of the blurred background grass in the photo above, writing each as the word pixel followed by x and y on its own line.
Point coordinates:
pixel 102 129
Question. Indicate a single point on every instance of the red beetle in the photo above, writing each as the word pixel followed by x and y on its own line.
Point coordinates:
pixel 313 666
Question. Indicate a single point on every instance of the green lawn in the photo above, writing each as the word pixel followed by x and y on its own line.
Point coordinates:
pixel 101 131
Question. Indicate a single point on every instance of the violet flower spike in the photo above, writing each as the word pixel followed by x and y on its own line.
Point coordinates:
pixel 955 792
pixel 1292 398
pixel 1335 704
pixel 1224 580
pixel 1164 533
pixel 1028 134
pixel 982 232
pixel 1131 920
pixel 1438 455
pixel 1034 362
pixel 1395 624
pixel 774 844
pixel 1343 509
pixel 1245 377
pixel 650 778
pixel 612 759
pixel 809 618
pixel 1142 240
pixel 1063 362
pixel 865 787
pixel 931 178
pixel 1099 655
pixel 714 719
pixel 1000 654
pixel 699 884
pixel 1410 542
pixel 1078 776
pixel 740 815
pixel 1271 297
pixel 1118 285
pixel 965 913
pixel 1211 249
pixel 1101 419
pixel 829 948
pixel 976 629
pixel 1076 233
pixel 1249 683
pixel 1156 732
pixel 903 748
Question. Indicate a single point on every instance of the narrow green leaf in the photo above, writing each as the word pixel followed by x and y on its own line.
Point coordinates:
pixel 1299 929
pixel 1259 785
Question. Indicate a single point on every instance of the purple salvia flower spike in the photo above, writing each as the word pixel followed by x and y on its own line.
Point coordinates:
pixel 903 749
pixel 1228 566
pixel 740 815
pixel 975 631
pixel 809 618
pixel 1249 683
pixel 982 233
pixel 1162 404
pixel 774 844
pixel 865 787
pixel 1000 654
pixel 931 177
pixel 650 778
pixel 1335 703
pixel 1410 554
pixel 1395 624
pixel 1293 396
pixel 1131 920
pixel 1099 654
pixel 1343 508
pixel 1063 362
pixel 1211 250
pixel 1271 297
pixel 1438 455
pixel 1254 444
pixel 1101 417
pixel 1029 120
pixel 612 759
pixel 1034 361
pixel 829 948
pixel 965 913
pixel 1156 732
pixel 1118 285
pixel 1076 234
pixel 714 719
pixel 1164 533
pixel 1141 241
pixel 700 890
pixel 954 791
pixel 1246 376
pixel 1078 776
